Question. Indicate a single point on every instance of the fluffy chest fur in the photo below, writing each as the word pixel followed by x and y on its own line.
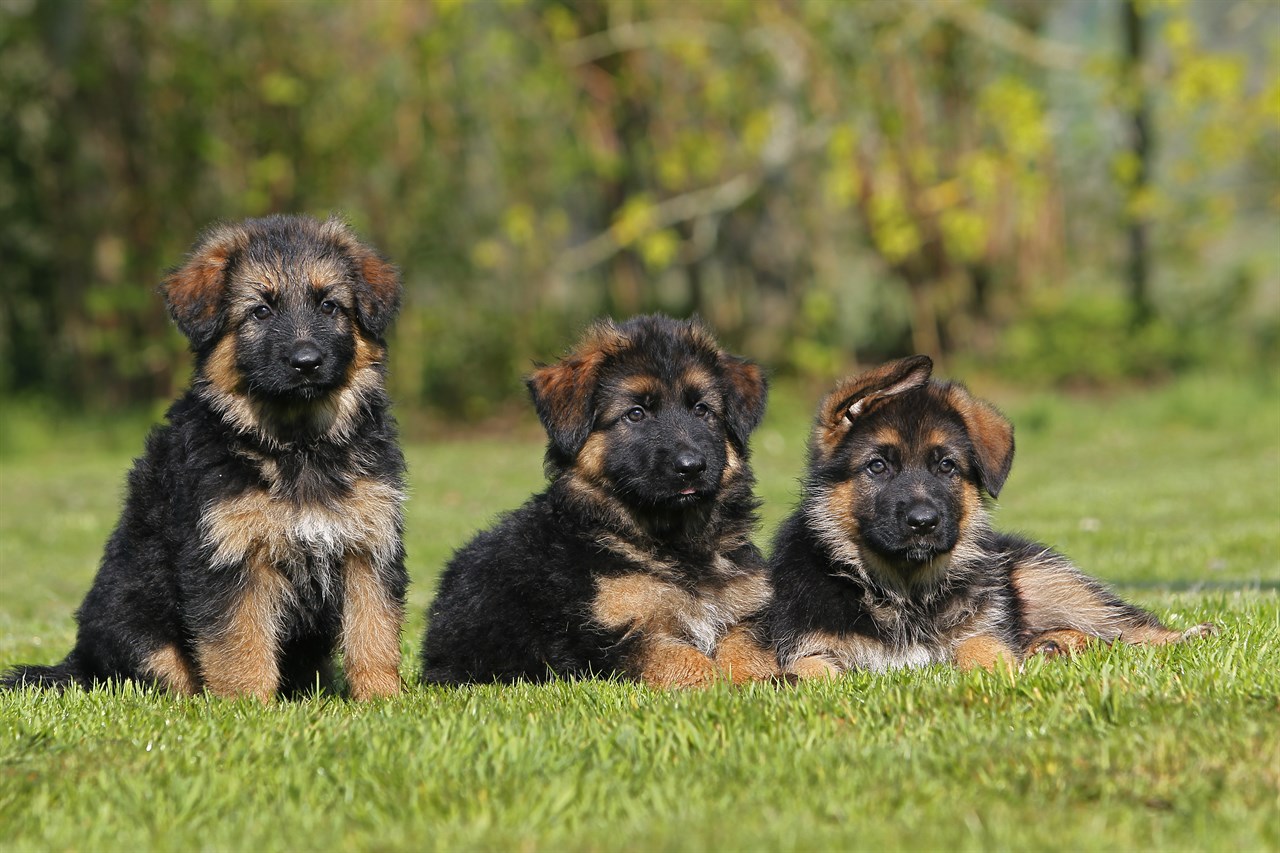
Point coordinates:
pixel 698 615
pixel 837 605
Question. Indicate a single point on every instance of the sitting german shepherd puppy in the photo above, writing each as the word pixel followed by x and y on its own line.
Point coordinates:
pixel 262 527
pixel 890 561
pixel 637 559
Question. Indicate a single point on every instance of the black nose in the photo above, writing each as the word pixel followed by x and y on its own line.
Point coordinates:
pixel 690 463
pixel 305 357
pixel 922 518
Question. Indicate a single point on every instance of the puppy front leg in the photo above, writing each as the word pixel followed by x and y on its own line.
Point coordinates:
pixel 814 666
pixel 985 652
pixel 666 662
pixel 371 620
pixel 743 658
pixel 1064 642
pixel 240 654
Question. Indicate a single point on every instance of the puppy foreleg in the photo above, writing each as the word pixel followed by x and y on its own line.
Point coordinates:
pixel 240 656
pixel 985 652
pixel 745 659
pixel 813 666
pixel 1061 643
pixel 670 663
pixel 371 622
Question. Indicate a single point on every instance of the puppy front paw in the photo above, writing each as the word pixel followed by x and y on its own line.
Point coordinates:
pixel 675 665
pixel 1060 643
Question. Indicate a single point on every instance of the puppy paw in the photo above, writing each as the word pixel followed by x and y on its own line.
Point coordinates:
pixel 1063 643
pixel 675 665
pixel 743 659
pixel 1204 629
pixel 985 652
pixel 814 666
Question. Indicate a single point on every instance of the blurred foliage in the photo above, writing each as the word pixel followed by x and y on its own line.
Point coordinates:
pixel 825 183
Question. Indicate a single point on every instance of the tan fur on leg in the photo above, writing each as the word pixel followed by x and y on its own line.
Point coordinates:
pixel 173 671
pixel 1161 636
pixel 370 633
pixel 743 659
pixel 1066 642
pixel 814 666
pixel 669 663
pixel 985 652
pixel 242 659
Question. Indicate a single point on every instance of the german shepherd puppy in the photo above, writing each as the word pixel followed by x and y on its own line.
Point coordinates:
pixel 637 559
pixel 262 526
pixel 890 560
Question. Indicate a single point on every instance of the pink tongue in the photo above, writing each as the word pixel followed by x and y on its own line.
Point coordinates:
pixel 688 491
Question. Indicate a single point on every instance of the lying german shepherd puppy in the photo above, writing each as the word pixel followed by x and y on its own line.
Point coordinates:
pixel 637 559
pixel 262 527
pixel 890 561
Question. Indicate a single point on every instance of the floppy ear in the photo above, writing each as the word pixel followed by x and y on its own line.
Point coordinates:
pixel 747 393
pixel 194 292
pixel 992 437
pixel 860 394
pixel 563 392
pixel 377 280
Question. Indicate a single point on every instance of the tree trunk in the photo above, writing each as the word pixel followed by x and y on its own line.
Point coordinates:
pixel 1138 267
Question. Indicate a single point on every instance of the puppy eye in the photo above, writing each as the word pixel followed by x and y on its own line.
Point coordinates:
pixel 635 414
pixel 262 312
pixel 328 306
pixel 877 466
pixel 947 466
pixel 701 410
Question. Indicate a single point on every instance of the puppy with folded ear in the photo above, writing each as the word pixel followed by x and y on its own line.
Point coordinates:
pixel 637 560
pixel 890 559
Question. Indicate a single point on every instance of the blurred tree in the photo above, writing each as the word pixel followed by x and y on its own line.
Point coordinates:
pixel 822 181
pixel 1139 148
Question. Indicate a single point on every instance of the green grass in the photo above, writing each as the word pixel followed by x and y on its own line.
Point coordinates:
pixel 1171 494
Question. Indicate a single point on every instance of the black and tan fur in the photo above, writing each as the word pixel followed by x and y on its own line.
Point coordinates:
pixel 637 559
pixel 890 560
pixel 262 527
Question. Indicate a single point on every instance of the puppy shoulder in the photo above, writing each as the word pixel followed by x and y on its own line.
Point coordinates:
pixel 796 553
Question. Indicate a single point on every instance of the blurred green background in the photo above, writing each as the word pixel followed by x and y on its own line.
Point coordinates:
pixel 1047 192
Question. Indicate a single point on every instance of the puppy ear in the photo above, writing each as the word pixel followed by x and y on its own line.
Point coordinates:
pixel 377 280
pixel 860 394
pixel 748 391
pixel 992 437
pixel 195 291
pixel 563 393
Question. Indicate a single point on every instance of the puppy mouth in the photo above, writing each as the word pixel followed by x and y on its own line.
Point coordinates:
pixel 919 555
pixel 686 496
pixel 309 390
pixel 913 554
pixel 299 390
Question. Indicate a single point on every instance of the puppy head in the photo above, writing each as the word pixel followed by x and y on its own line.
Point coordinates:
pixel 652 408
pixel 199 292
pixel 280 309
pixel 898 464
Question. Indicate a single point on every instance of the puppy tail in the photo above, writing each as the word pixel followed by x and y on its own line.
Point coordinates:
pixel 57 677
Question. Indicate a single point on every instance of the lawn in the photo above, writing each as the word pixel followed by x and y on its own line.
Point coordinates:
pixel 1172 494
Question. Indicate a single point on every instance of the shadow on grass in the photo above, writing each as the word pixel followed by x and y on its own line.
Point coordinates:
pixel 1202 586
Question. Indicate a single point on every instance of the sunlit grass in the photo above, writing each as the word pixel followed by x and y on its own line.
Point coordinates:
pixel 1173 495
